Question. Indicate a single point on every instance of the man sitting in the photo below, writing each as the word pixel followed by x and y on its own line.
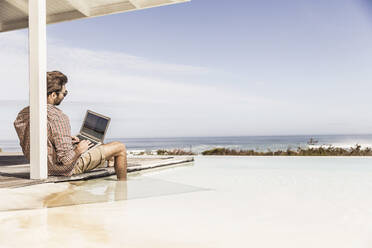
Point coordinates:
pixel 65 152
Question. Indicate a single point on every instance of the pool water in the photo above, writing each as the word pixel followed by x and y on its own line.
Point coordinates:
pixel 216 202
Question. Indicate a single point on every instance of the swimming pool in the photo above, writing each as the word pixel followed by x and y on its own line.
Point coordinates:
pixel 215 202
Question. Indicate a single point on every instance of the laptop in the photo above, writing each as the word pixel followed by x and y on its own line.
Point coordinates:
pixel 94 128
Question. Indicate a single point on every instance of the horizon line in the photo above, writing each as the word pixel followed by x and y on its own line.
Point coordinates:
pixel 230 136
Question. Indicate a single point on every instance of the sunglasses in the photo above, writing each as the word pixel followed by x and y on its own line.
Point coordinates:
pixel 65 93
pixel 57 92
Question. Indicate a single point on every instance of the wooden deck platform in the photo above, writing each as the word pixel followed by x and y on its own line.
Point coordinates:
pixel 15 171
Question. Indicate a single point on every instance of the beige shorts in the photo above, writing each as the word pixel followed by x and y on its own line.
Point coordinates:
pixel 90 160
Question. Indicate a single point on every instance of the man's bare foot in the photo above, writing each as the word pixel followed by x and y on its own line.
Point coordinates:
pixel 110 162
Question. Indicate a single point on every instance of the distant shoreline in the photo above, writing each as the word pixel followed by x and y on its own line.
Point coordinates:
pixel 357 150
pixel 241 145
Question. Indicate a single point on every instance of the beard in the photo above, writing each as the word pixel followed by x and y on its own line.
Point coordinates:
pixel 58 101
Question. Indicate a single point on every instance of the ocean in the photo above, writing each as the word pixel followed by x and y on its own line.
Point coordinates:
pixel 199 144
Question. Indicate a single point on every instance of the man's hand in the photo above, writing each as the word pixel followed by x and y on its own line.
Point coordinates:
pixel 83 146
pixel 75 139
pixel 111 162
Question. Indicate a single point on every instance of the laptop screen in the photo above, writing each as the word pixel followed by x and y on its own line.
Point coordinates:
pixel 95 126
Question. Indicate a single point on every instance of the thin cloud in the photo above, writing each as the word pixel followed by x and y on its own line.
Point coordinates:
pixel 115 61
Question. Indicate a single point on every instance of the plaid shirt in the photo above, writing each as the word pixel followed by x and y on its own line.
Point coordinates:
pixel 60 148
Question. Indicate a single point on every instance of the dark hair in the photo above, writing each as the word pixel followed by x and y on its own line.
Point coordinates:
pixel 55 81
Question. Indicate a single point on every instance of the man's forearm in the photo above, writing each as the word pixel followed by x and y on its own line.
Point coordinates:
pixel 77 154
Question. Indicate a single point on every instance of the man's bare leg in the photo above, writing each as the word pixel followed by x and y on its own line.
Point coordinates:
pixel 119 152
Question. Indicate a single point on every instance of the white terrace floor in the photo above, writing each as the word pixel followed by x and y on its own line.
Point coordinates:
pixel 217 202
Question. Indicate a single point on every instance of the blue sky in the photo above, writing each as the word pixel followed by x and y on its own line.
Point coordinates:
pixel 211 68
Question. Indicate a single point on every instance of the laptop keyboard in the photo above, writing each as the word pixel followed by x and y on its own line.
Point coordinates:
pixel 93 143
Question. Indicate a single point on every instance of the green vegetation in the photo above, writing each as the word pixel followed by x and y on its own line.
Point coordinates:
pixel 174 152
pixel 320 151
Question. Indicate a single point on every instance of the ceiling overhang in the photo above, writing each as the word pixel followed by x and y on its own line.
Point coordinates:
pixel 14 13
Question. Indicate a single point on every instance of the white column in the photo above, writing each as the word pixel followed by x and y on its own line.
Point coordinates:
pixel 38 103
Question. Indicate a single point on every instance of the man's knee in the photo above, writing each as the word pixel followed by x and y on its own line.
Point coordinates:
pixel 122 150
